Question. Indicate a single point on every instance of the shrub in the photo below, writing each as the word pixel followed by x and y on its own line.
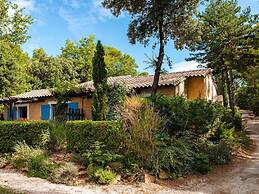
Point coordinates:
pixel 99 155
pixel 40 166
pixel 247 98
pixel 219 153
pixel 197 116
pixel 23 154
pixel 33 159
pixel 64 174
pixel 57 135
pixel 141 125
pixel 13 132
pixel 105 176
pixel 176 156
pixel 174 110
pixel 4 160
pixel 100 175
pixel 81 135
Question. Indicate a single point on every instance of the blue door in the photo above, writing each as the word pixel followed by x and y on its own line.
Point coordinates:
pixel 73 105
pixel 45 112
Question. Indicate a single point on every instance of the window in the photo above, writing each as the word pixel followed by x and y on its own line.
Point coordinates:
pixel 53 111
pixel 23 112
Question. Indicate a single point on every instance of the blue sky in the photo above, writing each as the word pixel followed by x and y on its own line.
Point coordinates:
pixel 55 21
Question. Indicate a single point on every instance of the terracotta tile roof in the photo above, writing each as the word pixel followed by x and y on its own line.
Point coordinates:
pixel 132 82
pixel 35 94
pixel 146 81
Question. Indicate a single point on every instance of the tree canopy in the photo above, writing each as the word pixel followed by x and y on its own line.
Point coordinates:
pixel 160 20
pixel 227 42
pixel 14 23
pixel 82 52
pixel 13 61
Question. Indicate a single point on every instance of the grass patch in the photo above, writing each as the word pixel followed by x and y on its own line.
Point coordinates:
pixel 5 191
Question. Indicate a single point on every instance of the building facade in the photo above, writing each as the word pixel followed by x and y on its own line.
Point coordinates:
pixel 41 104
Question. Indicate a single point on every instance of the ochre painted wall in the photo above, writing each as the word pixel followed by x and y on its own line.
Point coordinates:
pixel 167 90
pixel 195 88
pixel 35 107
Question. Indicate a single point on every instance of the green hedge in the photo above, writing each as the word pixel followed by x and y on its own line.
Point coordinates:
pixel 81 135
pixel 13 132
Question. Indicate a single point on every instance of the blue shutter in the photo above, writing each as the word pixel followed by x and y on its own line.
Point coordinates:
pixel 73 105
pixel 14 113
pixel 45 112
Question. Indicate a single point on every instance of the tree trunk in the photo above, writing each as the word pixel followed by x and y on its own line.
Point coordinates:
pixel 160 59
pixel 231 91
pixel 223 80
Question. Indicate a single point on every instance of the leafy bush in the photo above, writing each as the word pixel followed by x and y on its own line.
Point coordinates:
pixel 141 124
pixel 180 156
pixel 99 155
pixel 82 135
pixel 23 154
pixel 197 116
pixel 100 175
pixel 116 95
pixel 219 153
pixel 105 176
pixel 174 110
pixel 247 98
pixel 4 160
pixel 13 132
pixel 33 159
pixel 40 166
pixel 64 174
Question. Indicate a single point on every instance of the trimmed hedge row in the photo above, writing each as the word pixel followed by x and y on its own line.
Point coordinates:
pixel 81 135
pixel 13 132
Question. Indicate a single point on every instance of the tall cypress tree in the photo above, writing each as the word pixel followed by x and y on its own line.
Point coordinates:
pixel 100 100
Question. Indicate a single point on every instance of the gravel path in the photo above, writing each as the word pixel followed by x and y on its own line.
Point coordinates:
pixel 243 178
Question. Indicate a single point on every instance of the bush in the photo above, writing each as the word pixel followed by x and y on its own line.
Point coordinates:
pixel 82 135
pixel 247 98
pixel 13 132
pixel 141 125
pixel 23 154
pixel 64 174
pixel 99 155
pixel 4 160
pixel 219 153
pixel 40 166
pixel 100 175
pixel 33 159
pixel 197 116
pixel 105 176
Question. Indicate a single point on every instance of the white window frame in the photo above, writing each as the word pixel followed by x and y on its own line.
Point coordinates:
pixel 18 112
pixel 50 110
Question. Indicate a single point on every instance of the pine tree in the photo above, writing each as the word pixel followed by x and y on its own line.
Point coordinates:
pixel 100 100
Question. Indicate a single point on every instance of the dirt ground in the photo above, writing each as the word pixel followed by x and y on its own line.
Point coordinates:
pixel 240 177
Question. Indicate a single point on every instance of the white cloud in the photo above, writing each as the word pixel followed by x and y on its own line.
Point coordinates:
pixel 73 3
pixel 186 65
pixel 90 14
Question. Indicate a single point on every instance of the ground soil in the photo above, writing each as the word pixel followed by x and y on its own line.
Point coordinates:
pixel 239 177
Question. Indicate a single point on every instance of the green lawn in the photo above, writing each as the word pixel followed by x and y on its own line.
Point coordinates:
pixel 5 191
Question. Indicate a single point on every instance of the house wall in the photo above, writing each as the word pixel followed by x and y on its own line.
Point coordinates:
pixel 35 107
pixel 166 90
pixel 191 88
pixel 195 88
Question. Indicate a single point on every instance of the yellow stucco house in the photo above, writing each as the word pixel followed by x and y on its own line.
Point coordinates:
pixel 40 104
